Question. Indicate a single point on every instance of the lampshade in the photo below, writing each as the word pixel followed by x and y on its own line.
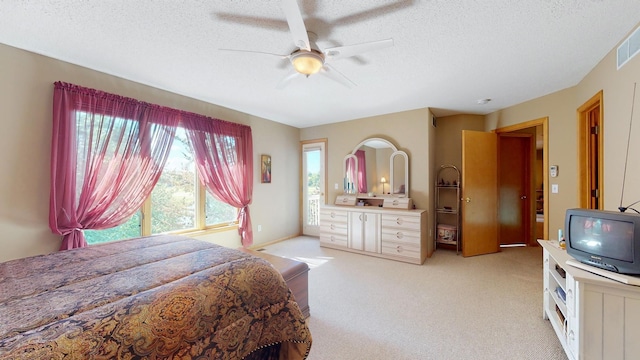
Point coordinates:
pixel 307 62
pixel 383 180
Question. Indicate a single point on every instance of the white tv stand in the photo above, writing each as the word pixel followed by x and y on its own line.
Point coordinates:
pixel 625 279
pixel 600 318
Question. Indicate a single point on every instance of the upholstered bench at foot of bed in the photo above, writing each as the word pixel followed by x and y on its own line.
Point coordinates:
pixel 295 274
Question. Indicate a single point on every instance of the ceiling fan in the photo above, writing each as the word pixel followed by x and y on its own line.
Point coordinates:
pixel 308 59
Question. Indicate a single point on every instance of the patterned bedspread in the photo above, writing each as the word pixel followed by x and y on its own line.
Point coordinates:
pixel 159 297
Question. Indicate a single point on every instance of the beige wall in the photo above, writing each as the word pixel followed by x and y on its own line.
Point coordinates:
pixel 561 108
pixel 410 131
pixel 26 93
pixel 563 144
pixel 449 137
pixel 618 94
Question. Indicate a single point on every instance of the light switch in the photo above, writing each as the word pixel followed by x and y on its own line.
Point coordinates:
pixel 335 186
pixel 554 188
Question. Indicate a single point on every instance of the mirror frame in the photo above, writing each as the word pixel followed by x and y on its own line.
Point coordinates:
pixel 406 172
pixel 395 153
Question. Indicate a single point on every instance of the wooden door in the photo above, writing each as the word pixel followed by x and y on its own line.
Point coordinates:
pixel 515 191
pixel 591 157
pixel 479 193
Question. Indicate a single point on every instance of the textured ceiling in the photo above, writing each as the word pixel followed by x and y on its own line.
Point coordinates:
pixel 447 54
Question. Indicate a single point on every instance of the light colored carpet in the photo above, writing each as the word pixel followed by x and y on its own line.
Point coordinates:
pixel 483 307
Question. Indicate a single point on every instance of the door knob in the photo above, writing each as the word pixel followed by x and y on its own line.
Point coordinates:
pixel 523 197
pixel 467 200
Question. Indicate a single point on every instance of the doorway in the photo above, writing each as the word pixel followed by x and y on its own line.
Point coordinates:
pixel 535 216
pixel 312 184
pixel 515 153
pixel 481 188
pixel 590 125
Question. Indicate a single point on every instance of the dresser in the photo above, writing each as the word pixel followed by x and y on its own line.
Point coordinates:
pixel 392 233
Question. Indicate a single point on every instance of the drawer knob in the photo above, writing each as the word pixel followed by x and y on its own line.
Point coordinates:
pixel 395 202
pixel 333 215
pixel 399 221
pixel 399 248
pixel 333 227
pixel 399 235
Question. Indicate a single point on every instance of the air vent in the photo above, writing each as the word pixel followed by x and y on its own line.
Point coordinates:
pixel 629 48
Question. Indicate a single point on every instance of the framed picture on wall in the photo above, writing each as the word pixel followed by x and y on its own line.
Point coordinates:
pixel 265 166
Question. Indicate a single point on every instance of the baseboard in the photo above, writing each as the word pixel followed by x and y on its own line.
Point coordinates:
pixel 267 243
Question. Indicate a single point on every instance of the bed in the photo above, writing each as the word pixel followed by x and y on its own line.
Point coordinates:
pixel 158 297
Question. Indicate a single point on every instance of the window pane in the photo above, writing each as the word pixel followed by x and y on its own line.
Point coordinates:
pixel 101 133
pixel 218 212
pixel 173 200
pixel 128 230
pixel 312 187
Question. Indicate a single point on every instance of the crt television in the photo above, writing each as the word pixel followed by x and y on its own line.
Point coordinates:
pixel 605 239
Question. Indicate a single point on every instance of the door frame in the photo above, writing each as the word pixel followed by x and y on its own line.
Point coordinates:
pixel 585 153
pixel 544 122
pixel 322 143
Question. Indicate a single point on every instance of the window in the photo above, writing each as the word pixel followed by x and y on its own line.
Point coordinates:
pixel 174 204
pixel 218 213
pixel 108 153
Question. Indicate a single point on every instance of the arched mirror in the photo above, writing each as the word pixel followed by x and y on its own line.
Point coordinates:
pixel 376 166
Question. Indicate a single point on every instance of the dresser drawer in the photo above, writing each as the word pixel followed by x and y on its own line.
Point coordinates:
pixel 401 236
pixel 401 221
pixel 333 216
pixel 397 203
pixel 333 239
pixel 349 200
pixel 401 249
pixel 333 227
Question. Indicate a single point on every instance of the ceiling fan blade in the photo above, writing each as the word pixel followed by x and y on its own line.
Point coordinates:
pixel 372 13
pixel 256 52
pixel 287 79
pixel 341 52
pixel 259 22
pixel 296 24
pixel 335 75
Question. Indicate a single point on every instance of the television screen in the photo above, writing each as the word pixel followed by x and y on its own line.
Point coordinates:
pixel 602 237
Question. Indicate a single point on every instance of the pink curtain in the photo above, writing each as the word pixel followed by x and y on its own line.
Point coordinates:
pixel 362 171
pixel 107 153
pixel 224 159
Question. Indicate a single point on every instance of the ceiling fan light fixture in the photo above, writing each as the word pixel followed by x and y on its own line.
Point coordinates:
pixel 307 62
